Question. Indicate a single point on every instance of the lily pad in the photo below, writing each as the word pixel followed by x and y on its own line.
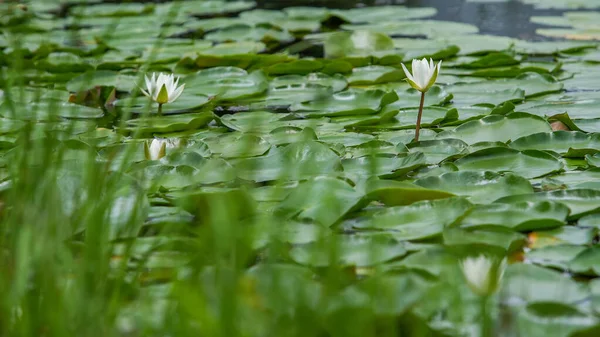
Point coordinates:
pixel 528 163
pixel 349 102
pixel 498 128
pixel 295 161
pixel 522 216
pixel 226 83
pixel 348 250
pixel 323 200
pixel 479 186
pixel 580 201
pixel 566 143
pixel 423 219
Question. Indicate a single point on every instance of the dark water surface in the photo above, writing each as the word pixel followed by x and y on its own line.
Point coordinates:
pixel 505 18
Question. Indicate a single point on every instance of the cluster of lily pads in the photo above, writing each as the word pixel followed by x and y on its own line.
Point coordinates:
pixel 275 152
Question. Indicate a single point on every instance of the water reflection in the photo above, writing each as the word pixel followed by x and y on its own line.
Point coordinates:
pixel 509 18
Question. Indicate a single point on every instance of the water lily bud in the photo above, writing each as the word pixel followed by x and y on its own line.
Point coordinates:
pixel 163 89
pixel 424 74
pixel 483 274
pixel 156 150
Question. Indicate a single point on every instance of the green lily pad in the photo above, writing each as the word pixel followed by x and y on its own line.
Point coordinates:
pixel 479 186
pixel 291 89
pixel 384 166
pixel 48 109
pixel 173 123
pixel 522 216
pixel 243 32
pixel 531 283
pixel 553 319
pixel 238 146
pixel 419 220
pixel 566 143
pixel 102 78
pixel 496 240
pixel 360 42
pixel 322 200
pixel 586 262
pixel 143 105
pixel 528 163
pixel 557 257
pixel 375 74
pixel 436 151
pixel 350 250
pixel 349 102
pixel 429 28
pixel 397 193
pixel 226 83
pixel 580 201
pixel 382 13
pixel 295 161
pixel 498 128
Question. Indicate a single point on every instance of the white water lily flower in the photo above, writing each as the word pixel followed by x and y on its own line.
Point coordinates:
pixel 156 150
pixel 424 74
pixel 163 89
pixel 158 147
pixel 483 274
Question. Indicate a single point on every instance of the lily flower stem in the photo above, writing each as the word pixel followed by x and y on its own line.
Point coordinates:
pixel 419 117
pixel 486 319
pixel 160 109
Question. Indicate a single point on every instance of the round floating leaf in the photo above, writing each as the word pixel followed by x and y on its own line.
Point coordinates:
pixel 593 160
pixel 480 186
pixel 388 295
pixel 142 104
pixel 323 200
pixel 575 179
pixel 498 128
pixel 587 262
pixel 552 319
pixel 429 28
pixel 63 63
pixel 490 98
pixel 556 257
pixel 531 283
pixel 291 89
pixel 226 83
pixel 48 109
pixel 208 203
pixel 532 84
pixel 360 42
pixel 375 74
pixel 396 193
pixel 566 143
pixel 496 241
pixel 420 220
pixel 382 13
pixel 346 138
pixel 562 235
pixel 407 118
pixel 242 32
pixel 521 216
pixel 577 109
pixel 528 163
pixel 383 166
pixel 237 146
pixel 580 201
pixel 102 78
pixel 173 123
pixel 350 102
pixel 348 250
pixel 295 161
pixel 436 151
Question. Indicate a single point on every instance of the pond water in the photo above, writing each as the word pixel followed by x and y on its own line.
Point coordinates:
pixel 501 18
